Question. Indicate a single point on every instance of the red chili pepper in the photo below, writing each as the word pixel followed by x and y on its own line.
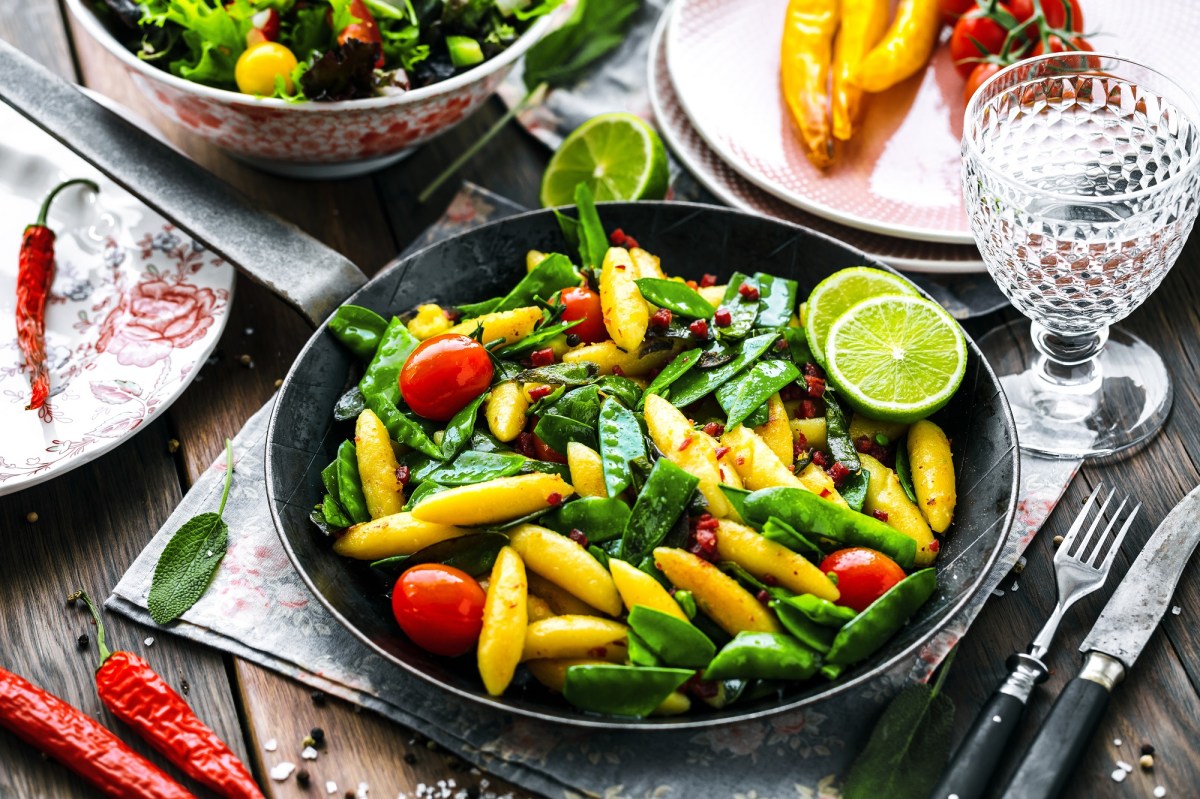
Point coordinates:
pixel 34 276
pixel 365 30
pixel 135 694
pixel 80 743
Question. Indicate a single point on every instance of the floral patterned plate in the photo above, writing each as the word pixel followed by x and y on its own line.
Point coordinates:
pixel 135 308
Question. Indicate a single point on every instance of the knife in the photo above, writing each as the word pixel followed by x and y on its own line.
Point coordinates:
pixel 1112 647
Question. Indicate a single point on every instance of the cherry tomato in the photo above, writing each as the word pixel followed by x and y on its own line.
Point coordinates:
pixel 978 77
pixel 439 607
pixel 545 453
pixel 975 35
pixel 258 66
pixel 1055 44
pixel 951 10
pixel 1056 12
pixel 443 374
pixel 863 575
pixel 583 303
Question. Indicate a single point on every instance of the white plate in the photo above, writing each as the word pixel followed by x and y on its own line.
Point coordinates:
pixel 135 309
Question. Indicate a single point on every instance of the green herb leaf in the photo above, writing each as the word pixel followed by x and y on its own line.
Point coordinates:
pixel 593 244
pixel 621 443
pixel 188 562
pixel 742 397
pixel 594 29
pixel 459 429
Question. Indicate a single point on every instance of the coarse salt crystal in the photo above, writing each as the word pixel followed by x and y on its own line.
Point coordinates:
pixel 309 753
pixel 1014 586
pixel 1121 764
pixel 282 771
pixel 330 788
pixel 1160 792
pixel 1175 611
pixel 271 745
pixel 149 641
pixel 1119 775
pixel 361 793
pixel 1117 741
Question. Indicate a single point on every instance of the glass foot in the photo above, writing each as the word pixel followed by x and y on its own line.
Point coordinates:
pixel 1113 403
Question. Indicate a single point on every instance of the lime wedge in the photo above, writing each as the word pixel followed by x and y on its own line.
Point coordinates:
pixel 897 358
pixel 838 292
pixel 619 157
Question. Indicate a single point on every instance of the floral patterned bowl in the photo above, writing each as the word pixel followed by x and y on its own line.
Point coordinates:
pixel 313 140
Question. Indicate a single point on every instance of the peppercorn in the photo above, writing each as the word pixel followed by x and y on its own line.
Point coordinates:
pixel 302 778
pixel 573 340
pixel 318 735
pixel 410 758
pixel 318 697
pixel 1147 749
pixel 82 641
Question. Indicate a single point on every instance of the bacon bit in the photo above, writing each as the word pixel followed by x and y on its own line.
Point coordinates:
pixel 537 393
pixel 542 357
pixel 816 386
pixel 820 459
pixel 812 370
pixel 838 473
pixel 687 442
pixel 741 461
pixel 748 292
pixel 453 314
pixel 935 545
pixel 578 537
pixel 825 493
pixel 763 597
pixel 722 452
pixel 799 446
pixel 792 392
pixel 618 238
pixel 597 652
pixel 722 317
pixel 781 345
pixel 661 318
pixel 525 445
pixel 931 501
pixel 701 689
pixel 871 447
pixel 708 280
pixel 618 371
pixel 770 580
pixel 714 429
pixel 702 541
pixel 808 409
pixel 620 267
pixel 881 515
pixel 699 328
pixel 554 499
pixel 403 474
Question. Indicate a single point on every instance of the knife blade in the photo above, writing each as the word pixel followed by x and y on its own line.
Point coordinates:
pixel 1120 633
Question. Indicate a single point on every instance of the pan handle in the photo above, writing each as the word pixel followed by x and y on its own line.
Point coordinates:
pixel 310 276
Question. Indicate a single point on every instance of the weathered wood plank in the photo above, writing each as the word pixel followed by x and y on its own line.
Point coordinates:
pixel 35 28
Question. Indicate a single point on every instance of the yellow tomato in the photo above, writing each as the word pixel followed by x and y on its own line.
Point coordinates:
pixel 258 66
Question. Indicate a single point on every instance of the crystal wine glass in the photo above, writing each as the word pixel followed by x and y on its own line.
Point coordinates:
pixel 1081 176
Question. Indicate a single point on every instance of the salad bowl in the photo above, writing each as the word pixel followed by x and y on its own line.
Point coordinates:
pixel 313 140
pixel 691 240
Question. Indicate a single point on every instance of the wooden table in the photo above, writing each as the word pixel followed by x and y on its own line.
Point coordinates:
pixel 93 521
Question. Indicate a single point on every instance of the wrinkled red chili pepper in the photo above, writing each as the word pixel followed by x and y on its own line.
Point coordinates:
pixel 136 695
pixel 35 273
pixel 80 743
pixel 365 30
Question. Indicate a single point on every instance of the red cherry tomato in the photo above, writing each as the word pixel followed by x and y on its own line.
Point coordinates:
pixel 439 607
pixel 863 575
pixel 1055 44
pixel 443 374
pixel 978 77
pixel 583 303
pixel 1056 12
pixel 545 453
pixel 951 10
pixel 975 36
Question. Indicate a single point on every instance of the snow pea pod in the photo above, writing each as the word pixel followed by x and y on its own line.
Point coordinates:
pixel 475 467
pixel 349 405
pixel 779 531
pixel 554 273
pixel 536 340
pixel 593 244
pixel 580 404
pixel 687 603
pixel 837 434
pixel 659 504
pixel 475 554
pixel 600 518
pixel 809 513
pixel 350 492
pixel 763 656
pixel 737 498
pixel 821 611
pixel 904 471
pixel 333 512
pixel 698 383
pixel 742 310
pixel 401 427
pixel 798 345
pixel 807 631
pixel 621 690
pixel 673 371
pixel 640 653
pixel 740 398
pixel 871 629
pixel 621 441
pixel 359 329
pixel 382 377
pixel 624 389
pixel 424 489
pixel 329 479
pixel 758 417
pixel 674 642
pixel 676 297
pixel 546 467
pixel 459 429
pixel 559 431
pixel 777 300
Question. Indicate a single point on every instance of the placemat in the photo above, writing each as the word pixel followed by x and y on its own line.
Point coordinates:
pixel 259 609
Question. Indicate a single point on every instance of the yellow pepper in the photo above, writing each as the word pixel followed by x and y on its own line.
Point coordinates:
pixel 904 49
pixel 807 54
pixel 863 23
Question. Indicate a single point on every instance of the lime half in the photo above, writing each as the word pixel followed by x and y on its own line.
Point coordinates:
pixel 619 157
pixel 897 358
pixel 836 293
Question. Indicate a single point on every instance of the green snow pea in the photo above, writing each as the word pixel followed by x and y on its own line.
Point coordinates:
pixel 536 340
pixel 621 690
pixel 854 489
pixel 546 467
pixel 742 310
pixel 624 389
pixel 559 431
pixel 687 603
pixel 483 441
pixel 334 514
pixel 349 405
pixel 872 628
pixel 740 398
pixel 676 297
pixel 600 518
pixel 661 501
pixel 821 611
pixel 329 479
pixel 561 374
pixel 807 631
pixel 673 371
pixel 674 642
pixel 809 513
pixel 554 273
pixel 763 656
pixel 698 383
pixel 475 554
pixel 599 554
pixel 777 300
pixel 382 376
pixel 475 467
pixel 359 329
pixel 579 404
pixel 424 489
pixel 904 470
pixel 798 345
pixel 640 653
pixel 621 441
pixel 400 426
pixel 459 429
pixel 779 531
pixel 758 417
pixel 350 492
pixel 593 244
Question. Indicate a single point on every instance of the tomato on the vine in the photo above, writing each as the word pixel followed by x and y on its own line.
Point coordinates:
pixel 581 302
pixel 951 10
pixel 976 35
pixel 1054 43
pixel 439 607
pixel 1056 13
pixel 863 575
pixel 978 77
pixel 443 374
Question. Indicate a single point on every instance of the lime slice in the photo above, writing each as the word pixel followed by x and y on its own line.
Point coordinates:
pixel 619 157
pixel 897 358
pixel 839 291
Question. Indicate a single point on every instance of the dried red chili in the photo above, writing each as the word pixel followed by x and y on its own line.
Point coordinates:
pixel 136 695
pixel 80 743
pixel 35 272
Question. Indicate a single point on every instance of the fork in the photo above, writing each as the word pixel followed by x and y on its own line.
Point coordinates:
pixel 1080 567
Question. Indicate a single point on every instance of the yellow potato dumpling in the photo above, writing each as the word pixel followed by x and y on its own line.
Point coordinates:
pixel 587 470
pixel 511 326
pixel 398 534
pixel 777 432
pixel 646 265
pixel 430 321
pixel 377 466
pixel 506 406
pixel 756 463
pixel 533 258
pixel 505 620
pixel 874 429
pixel 886 495
pixel 566 564
pixel 762 557
pixel 611 359
pixel 552 672
pixel 932 468
pixel 577 637
pixel 813 430
pixel 561 601
pixel 494 501
pixel 688 449
pixel 638 588
pixel 626 313
pixel 732 607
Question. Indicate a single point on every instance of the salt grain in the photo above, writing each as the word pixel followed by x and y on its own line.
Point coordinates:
pixel 1175 611
pixel 1014 587
pixel 330 788
pixel 1117 742
pixel 1121 764
pixel 309 753
pixel 1119 775
pixel 1160 792
pixel 282 771
pixel 149 641
pixel 361 793
pixel 271 745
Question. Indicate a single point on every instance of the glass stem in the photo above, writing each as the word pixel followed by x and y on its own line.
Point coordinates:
pixel 1068 361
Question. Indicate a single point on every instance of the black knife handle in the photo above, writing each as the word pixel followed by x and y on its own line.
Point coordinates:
pixel 969 774
pixel 1050 760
